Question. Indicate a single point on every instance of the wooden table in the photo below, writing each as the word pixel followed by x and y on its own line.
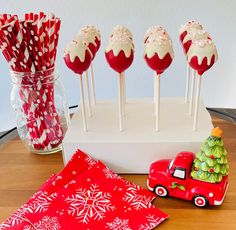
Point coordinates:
pixel 22 172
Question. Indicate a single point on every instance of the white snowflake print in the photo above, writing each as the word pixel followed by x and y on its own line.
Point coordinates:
pixel 41 203
pixel 137 201
pixel 152 222
pixel 91 162
pixel 119 224
pixel 87 204
pixel 109 174
pixel 47 223
pixel 16 218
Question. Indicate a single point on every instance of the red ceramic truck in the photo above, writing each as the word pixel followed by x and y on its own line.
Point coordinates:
pixel 172 178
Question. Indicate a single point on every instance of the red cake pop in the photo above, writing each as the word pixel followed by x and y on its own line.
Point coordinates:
pixel 77 56
pixel 158 53
pixel 202 55
pixel 119 53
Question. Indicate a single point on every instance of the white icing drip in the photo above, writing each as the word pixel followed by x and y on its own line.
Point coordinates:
pixel 119 44
pixel 76 49
pixel 121 29
pixel 154 30
pixel 92 30
pixel 160 45
pixel 202 49
pixel 195 34
pixel 87 37
pixel 190 25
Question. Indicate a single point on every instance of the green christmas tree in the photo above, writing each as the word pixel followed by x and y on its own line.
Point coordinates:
pixel 211 162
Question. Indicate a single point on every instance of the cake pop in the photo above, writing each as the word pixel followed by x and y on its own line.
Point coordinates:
pixel 201 55
pixel 183 31
pixel 93 38
pixel 158 54
pixel 77 57
pixel 119 55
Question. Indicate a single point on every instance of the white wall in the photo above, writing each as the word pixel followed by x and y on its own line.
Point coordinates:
pixel 217 16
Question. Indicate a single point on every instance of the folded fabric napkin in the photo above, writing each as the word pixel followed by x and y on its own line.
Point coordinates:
pixel 87 195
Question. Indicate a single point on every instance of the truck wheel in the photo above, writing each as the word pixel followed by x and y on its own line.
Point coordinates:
pixel 161 191
pixel 200 201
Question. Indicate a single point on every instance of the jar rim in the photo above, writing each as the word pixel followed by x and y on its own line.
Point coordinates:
pixel 32 73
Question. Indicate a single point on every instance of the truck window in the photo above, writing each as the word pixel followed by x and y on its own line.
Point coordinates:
pixel 170 165
pixel 179 173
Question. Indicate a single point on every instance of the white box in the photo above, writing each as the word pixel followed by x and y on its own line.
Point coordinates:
pixel 134 149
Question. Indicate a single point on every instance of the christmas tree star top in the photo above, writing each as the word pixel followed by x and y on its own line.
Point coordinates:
pixel 216 132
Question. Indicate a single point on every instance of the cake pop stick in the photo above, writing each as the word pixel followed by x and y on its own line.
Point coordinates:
pixel 201 56
pixel 157 76
pixel 123 93
pixel 88 93
pixel 195 119
pixel 192 92
pixel 82 103
pixel 187 84
pixel 154 92
pixel 93 85
pixel 120 101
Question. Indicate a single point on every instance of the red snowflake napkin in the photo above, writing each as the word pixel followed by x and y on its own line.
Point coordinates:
pixel 87 195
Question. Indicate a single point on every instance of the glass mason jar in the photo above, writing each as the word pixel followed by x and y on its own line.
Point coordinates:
pixel 40 105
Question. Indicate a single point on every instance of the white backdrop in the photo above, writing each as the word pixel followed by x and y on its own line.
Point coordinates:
pixel 217 16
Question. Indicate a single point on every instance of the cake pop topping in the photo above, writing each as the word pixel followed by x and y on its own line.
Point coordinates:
pixel 195 34
pixel 122 30
pixel 202 48
pixel 190 25
pixel 76 49
pixel 160 45
pixel 156 30
pixel 120 43
pixel 92 30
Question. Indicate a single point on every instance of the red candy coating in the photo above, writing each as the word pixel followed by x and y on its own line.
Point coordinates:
pixel 77 66
pixel 182 36
pixel 93 49
pixel 186 46
pixel 203 66
pixel 98 43
pixel 157 64
pixel 119 63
